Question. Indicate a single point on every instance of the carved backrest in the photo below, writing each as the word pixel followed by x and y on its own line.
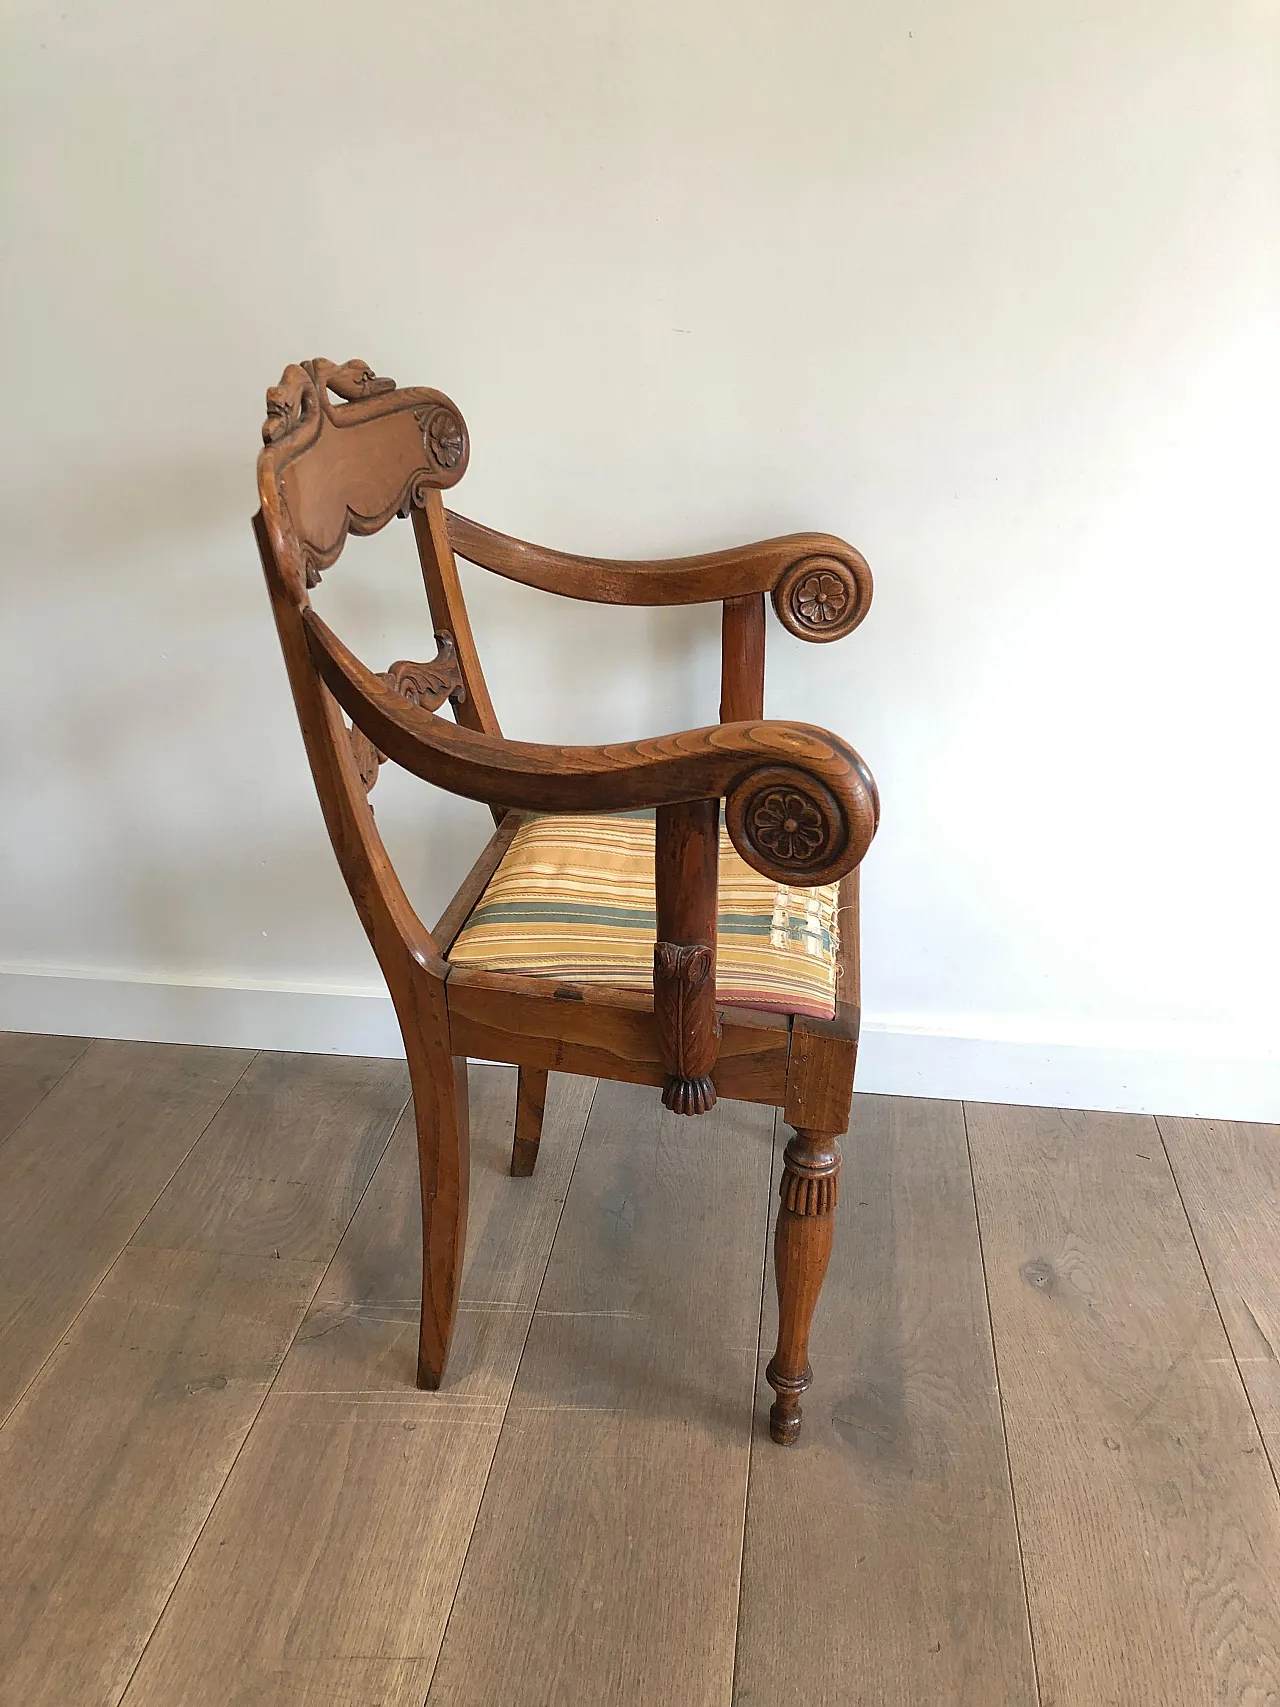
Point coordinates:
pixel 328 468
pixel 331 468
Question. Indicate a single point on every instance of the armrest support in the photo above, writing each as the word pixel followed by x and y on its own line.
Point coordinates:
pixel 801 806
pixel 821 587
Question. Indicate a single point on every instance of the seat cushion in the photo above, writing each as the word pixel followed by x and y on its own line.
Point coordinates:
pixel 573 899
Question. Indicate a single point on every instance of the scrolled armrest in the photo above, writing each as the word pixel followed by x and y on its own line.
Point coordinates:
pixel 821 587
pixel 801 807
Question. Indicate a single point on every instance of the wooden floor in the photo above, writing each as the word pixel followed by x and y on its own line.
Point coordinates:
pixel 1038 1463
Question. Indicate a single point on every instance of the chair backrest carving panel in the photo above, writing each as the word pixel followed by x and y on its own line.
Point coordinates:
pixel 328 468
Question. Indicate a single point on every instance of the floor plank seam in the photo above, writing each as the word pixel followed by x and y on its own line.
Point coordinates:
pixel 392 1127
pixel 1004 1427
pixel 47 1092
pixel 755 1388
pixel 1226 1331
pixel 102 1279
pixel 497 1439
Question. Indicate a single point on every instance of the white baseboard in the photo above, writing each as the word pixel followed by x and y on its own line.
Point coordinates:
pixel 1065 1075
pixel 232 1016
pixel 896 1058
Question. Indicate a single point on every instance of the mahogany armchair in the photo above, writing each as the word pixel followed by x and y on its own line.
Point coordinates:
pixel 800 809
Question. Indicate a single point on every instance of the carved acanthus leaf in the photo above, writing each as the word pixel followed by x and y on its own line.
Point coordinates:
pixel 368 759
pixel 688 1025
pixel 424 685
pixel 429 685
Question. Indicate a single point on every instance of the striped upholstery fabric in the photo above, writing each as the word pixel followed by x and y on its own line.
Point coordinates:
pixel 573 899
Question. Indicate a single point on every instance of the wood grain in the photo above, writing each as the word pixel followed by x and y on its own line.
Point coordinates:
pixel 358 1336
pixel 82 1171
pixel 723 760
pixel 531 1107
pixel 1149 1520
pixel 449 611
pixel 1229 1174
pixel 280 1172
pixel 325 1574
pixel 111 1462
pixel 610 1576
pixel 581 1028
pixel 742 659
pixel 686 886
pixel 732 574
pixel 30 1066
pixel 881 1560
pixel 325 469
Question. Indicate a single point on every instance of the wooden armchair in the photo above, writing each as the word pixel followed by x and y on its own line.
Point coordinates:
pixel 800 809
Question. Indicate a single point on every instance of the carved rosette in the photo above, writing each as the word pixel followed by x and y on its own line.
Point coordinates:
pixel 822 598
pixel 811 1175
pixel 444 437
pixel 787 823
pixel 688 1026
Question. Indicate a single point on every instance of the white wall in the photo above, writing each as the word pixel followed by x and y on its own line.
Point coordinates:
pixel 986 287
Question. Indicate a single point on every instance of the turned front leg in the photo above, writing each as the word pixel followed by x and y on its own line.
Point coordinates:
pixel 802 1248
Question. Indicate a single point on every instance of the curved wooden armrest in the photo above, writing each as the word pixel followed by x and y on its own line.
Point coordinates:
pixel 821 587
pixel 801 806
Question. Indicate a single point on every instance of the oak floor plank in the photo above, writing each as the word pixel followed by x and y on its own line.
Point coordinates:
pixel 361 1334
pixel 31 1063
pixel 325 1574
pixel 111 1461
pixel 605 1561
pixel 82 1171
pixel 1149 1521
pixel 281 1172
pixel 1229 1174
pixel 881 1560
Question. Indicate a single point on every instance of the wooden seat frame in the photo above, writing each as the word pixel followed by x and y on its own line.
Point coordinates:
pixel 800 806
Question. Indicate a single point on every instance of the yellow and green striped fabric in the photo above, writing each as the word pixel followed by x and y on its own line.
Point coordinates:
pixel 573 899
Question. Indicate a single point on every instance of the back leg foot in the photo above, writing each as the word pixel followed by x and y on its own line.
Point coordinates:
pixel 531 1103
pixel 440 1107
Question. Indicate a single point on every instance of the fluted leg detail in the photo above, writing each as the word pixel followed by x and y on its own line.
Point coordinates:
pixel 802 1249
